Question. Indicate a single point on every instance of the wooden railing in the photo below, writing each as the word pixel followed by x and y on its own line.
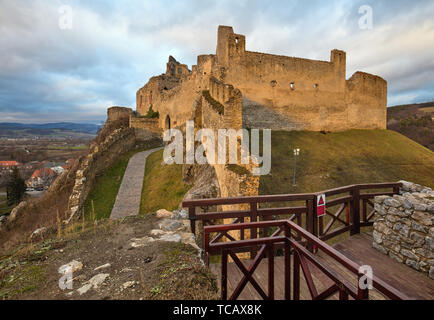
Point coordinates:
pixel 283 237
pixel 303 212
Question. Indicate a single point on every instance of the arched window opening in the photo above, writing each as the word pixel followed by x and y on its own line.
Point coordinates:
pixel 168 123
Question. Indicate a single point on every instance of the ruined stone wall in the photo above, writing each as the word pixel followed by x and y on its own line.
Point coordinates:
pixel 119 114
pixel 150 124
pixel 403 227
pixel 150 93
pixel 175 105
pixel 298 94
pixel 278 92
pixel 103 152
pixel 145 129
pixel 366 95
pixel 222 109
pixel 99 158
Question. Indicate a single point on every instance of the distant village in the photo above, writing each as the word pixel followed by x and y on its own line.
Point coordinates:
pixel 42 174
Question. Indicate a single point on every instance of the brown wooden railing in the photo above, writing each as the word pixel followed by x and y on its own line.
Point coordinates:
pixel 347 199
pixel 301 256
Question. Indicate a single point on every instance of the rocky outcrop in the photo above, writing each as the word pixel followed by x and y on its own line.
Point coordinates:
pixel 403 227
pixel 205 183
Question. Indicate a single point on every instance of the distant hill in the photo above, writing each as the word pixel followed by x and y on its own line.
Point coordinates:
pixel 415 121
pixel 342 158
pixel 60 129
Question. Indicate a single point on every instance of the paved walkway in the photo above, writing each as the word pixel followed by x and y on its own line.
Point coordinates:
pixel 130 192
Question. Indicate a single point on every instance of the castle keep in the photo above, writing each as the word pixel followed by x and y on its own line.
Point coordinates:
pixel 236 88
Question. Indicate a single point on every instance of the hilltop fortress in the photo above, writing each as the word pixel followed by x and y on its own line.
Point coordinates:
pixel 235 88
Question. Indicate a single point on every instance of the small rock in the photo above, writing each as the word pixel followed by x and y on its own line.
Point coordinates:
pixel 380 248
pixel 380 199
pixel 163 213
pixel 157 232
pixel 409 254
pixel 141 242
pixel 422 217
pixel 97 280
pixel 170 225
pixel 84 289
pixel 412 264
pixel 71 267
pixel 396 257
pixel 171 238
pixel 128 284
pixel 377 237
pixel 38 232
pixel 392 202
pixel 104 266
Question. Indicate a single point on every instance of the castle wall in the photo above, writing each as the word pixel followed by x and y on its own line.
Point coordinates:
pixel 366 94
pixel 296 94
pixel 145 128
pixel 119 114
pixel 277 92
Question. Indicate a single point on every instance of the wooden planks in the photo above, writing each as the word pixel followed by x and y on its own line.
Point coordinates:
pixel 411 282
pixel 357 248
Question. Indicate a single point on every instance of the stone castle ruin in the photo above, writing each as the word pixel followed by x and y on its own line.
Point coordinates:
pixel 258 90
pixel 235 89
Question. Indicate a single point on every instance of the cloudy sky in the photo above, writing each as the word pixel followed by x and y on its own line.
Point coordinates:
pixel 52 74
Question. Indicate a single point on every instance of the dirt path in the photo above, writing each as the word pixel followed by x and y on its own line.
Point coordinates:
pixel 130 192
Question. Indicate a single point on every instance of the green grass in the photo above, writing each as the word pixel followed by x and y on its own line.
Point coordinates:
pixel 343 158
pixel 162 186
pixel 78 147
pixel 22 279
pixel 106 188
pixel 4 208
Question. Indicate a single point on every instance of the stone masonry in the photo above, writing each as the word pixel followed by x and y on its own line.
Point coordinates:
pixel 403 227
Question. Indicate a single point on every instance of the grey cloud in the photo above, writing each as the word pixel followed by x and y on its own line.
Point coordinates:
pixel 115 46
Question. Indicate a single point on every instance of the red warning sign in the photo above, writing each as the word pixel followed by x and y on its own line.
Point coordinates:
pixel 321 205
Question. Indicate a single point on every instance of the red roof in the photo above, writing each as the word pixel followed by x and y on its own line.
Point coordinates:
pixel 44 172
pixel 9 163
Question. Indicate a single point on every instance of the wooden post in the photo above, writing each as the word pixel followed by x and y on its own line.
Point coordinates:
pixel 253 231
pixel 343 295
pixel 206 247
pixel 310 221
pixel 192 217
pixel 287 264
pixel 224 275
pixel 362 294
pixel 296 284
pixel 270 271
pixel 355 212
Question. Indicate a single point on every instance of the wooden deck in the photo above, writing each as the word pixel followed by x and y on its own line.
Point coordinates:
pixel 357 248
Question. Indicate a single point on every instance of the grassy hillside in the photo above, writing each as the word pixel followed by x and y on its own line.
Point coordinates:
pixel 343 158
pixel 415 121
pixel 163 187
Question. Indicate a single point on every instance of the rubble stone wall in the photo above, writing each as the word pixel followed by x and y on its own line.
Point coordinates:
pixel 403 227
